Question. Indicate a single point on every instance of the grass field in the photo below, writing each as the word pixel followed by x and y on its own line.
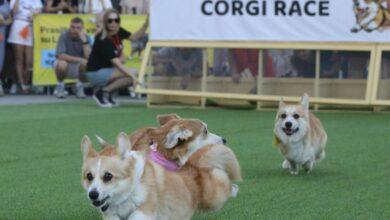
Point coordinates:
pixel 40 162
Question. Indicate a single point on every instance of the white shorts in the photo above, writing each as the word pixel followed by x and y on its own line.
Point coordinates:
pixel 21 33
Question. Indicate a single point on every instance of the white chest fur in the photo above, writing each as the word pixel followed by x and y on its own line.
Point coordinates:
pixel 297 152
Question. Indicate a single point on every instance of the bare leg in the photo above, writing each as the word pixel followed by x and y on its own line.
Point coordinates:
pixel 82 70
pixel 61 69
pixel 118 83
pixel 119 80
pixel 19 62
pixel 29 64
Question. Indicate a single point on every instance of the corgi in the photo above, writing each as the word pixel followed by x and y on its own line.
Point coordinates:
pixel 370 15
pixel 299 135
pixel 123 184
pixel 181 143
pixel 191 144
pixel 126 184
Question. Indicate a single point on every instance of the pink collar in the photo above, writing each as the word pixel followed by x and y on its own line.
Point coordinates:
pixel 158 158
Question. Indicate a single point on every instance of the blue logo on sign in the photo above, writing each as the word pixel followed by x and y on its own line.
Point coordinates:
pixel 47 58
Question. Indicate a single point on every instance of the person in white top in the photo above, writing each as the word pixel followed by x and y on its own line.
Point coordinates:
pixel 96 7
pixel 21 36
pixel 134 7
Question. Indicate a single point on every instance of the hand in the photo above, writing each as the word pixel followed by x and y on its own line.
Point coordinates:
pixel 137 82
pixel 83 36
pixel 2 21
pixel 83 61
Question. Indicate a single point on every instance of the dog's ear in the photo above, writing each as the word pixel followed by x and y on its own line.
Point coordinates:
pixel 86 148
pixel 281 103
pixel 102 142
pixel 177 135
pixel 123 144
pixel 163 119
pixel 305 102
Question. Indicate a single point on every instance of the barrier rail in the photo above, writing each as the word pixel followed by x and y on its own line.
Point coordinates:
pixel 373 91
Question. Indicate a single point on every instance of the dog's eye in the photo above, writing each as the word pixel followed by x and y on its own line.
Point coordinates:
pixel 107 177
pixel 283 115
pixel 205 131
pixel 296 116
pixel 89 177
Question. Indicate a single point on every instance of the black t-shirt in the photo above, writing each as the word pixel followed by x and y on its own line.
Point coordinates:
pixel 103 51
pixel 66 11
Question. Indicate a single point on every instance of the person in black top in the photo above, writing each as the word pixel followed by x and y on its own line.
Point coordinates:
pixel 61 6
pixel 105 69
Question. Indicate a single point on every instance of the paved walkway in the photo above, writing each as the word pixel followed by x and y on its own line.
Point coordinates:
pixel 42 99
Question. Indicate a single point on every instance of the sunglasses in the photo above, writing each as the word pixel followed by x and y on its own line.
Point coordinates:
pixel 116 20
pixel 76 27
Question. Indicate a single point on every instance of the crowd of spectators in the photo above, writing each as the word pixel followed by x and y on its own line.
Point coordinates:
pixel 16 40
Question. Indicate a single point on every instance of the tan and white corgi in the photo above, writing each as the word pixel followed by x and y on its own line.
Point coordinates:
pixel 126 184
pixel 299 136
pixel 191 144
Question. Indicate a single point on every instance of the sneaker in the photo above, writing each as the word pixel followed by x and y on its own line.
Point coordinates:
pixel 26 89
pixel 80 91
pixel 99 98
pixel 14 89
pixel 132 92
pixel 110 99
pixel 60 91
pixel 1 89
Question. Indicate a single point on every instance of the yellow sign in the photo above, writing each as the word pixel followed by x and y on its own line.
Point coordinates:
pixel 47 30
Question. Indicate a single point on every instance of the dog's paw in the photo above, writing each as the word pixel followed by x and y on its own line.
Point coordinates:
pixel 286 164
pixel 294 172
pixel 234 190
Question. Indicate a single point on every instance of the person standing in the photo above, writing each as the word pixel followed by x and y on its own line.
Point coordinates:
pixel 21 37
pixel 5 20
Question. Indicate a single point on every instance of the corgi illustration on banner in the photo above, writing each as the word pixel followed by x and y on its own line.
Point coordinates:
pixel 371 15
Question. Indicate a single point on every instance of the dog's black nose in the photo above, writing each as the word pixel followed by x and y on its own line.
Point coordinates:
pixel 224 140
pixel 93 195
pixel 288 124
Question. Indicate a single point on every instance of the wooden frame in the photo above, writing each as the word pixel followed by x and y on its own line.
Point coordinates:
pixel 377 76
pixel 371 81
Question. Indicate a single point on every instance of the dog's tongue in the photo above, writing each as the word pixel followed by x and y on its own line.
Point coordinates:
pixel 288 131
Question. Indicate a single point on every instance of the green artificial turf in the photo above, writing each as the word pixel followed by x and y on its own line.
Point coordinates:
pixel 40 162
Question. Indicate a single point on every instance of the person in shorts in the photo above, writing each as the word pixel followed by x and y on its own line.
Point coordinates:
pixel 73 49
pixel 21 37
pixel 105 68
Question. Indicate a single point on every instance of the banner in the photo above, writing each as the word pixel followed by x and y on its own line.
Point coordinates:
pixel 47 30
pixel 271 20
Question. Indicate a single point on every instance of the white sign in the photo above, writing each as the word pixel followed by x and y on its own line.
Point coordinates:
pixel 271 20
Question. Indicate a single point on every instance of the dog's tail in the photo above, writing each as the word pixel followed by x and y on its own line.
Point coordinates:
pixel 102 142
pixel 221 157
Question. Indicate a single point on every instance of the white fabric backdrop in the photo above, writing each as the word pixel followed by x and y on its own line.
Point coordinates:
pixel 184 20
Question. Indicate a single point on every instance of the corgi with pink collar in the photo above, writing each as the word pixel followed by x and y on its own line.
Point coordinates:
pixel 168 172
